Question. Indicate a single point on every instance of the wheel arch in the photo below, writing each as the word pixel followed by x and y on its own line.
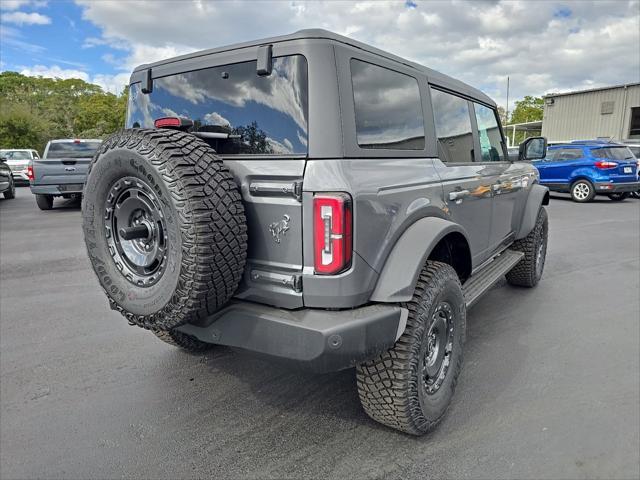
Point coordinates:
pixel 430 238
pixel 538 196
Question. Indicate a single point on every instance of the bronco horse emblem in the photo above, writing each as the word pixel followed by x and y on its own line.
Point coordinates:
pixel 280 228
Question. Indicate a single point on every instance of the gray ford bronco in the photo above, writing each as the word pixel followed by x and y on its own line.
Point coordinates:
pixel 316 200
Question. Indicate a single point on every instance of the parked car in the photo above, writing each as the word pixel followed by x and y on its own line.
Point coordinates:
pixel 634 146
pixel 62 170
pixel 586 168
pixel 322 202
pixel 18 160
pixel 7 184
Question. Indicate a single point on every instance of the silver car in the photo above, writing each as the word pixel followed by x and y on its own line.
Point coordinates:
pixel 18 160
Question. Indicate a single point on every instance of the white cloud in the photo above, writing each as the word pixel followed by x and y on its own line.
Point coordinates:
pixel 280 148
pixel 109 83
pixel 16 4
pixel 541 46
pixel 23 18
pixel 214 118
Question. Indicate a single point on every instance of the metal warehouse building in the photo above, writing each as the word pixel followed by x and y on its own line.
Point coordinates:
pixel 610 112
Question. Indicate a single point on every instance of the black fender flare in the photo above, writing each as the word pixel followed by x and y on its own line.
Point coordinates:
pixel 399 275
pixel 538 196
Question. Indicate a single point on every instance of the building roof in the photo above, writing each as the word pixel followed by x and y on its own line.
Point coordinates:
pixel 576 92
pixel 318 33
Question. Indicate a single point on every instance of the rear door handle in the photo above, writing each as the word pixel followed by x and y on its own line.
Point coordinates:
pixel 459 194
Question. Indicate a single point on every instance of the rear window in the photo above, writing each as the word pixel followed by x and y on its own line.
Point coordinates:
pixel 388 108
pixel 268 112
pixel 615 153
pixel 635 151
pixel 72 149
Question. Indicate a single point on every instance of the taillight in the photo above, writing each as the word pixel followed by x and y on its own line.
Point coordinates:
pixel 30 172
pixel 603 164
pixel 332 233
pixel 180 123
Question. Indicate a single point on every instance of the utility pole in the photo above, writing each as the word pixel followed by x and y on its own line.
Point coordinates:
pixel 507 114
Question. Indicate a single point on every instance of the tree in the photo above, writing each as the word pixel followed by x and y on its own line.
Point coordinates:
pixel 529 109
pixel 55 108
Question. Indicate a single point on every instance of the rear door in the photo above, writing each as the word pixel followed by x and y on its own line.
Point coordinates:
pixel 558 166
pixel 467 184
pixel 65 163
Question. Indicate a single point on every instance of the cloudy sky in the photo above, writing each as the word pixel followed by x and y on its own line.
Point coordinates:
pixel 542 45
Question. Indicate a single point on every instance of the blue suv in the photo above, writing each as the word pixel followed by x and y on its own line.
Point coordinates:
pixel 586 168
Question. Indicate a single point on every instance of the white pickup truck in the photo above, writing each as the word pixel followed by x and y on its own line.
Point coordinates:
pixel 62 170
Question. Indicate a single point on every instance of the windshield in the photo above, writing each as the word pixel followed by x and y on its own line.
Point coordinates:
pixel 269 113
pixel 15 155
pixel 80 149
pixel 614 153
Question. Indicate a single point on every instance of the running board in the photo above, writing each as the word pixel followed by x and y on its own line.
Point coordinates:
pixel 486 278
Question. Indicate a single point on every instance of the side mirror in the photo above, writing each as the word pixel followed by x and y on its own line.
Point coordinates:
pixel 534 148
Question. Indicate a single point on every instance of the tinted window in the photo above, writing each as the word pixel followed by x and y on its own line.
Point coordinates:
pixel 634 123
pixel 388 108
pixel 559 154
pixel 635 151
pixel 489 134
pixel 268 112
pixel 453 127
pixel 16 155
pixel 73 149
pixel 615 153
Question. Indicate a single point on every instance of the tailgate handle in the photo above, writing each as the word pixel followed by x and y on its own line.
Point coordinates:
pixel 277 189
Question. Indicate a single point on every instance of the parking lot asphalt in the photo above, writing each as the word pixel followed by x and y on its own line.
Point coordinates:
pixel 549 389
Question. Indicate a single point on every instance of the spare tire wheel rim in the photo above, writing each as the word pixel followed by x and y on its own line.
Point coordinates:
pixel 439 346
pixel 135 231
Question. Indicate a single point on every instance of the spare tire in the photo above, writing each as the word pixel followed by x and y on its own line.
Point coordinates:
pixel 164 227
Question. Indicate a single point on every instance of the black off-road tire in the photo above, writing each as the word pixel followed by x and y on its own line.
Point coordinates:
pixel 203 225
pixel 618 197
pixel 183 341
pixel 582 191
pixel 391 387
pixel 45 202
pixel 11 192
pixel 528 271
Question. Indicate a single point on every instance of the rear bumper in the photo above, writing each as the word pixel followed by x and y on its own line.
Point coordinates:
pixel 65 189
pixel 20 176
pixel 607 187
pixel 316 339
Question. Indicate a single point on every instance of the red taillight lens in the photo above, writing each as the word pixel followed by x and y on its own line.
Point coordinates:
pixel 167 122
pixel 332 233
pixel 603 164
pixel 30 172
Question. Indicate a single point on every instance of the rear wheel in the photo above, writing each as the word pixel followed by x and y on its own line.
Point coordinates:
pixel 582 191
pixel 618 197
pixel 410 386
pixel 164 227
pixel 11 192
pixel 45 202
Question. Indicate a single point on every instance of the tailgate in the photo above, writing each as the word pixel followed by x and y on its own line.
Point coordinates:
pixel 272 197
pixel 627 171
pixel 60 171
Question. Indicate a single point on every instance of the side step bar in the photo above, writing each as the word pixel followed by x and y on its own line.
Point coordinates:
pixel 481 282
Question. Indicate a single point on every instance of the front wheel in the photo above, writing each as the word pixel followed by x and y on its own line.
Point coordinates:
pixel 45 202
pixel 618 197
pixel 582 191
pixel 410 386
pixel 528 271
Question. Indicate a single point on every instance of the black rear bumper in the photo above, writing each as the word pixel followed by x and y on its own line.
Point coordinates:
pixel 320 340
pixel 605 187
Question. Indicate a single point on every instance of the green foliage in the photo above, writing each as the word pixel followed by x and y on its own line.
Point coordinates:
pixel 34 110
pixel 529 109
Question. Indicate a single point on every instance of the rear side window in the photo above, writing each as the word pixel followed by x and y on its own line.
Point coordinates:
pixel 387 107
pixel 72 149
pixel 489 134
pixel 269 113
pixel 614 153
pixel 564 154
pixel 453 127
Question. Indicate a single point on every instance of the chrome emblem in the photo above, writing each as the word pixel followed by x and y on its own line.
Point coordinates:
pixel 278 229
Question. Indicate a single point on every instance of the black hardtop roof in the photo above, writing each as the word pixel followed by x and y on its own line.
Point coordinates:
pixel 317 33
